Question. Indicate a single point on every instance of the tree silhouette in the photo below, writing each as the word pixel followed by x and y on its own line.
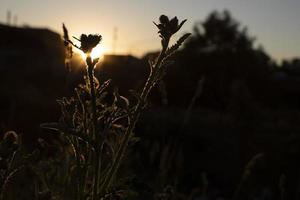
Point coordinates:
pixel 222 51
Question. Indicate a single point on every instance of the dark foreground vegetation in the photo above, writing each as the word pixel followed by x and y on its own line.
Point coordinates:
pixel 223 123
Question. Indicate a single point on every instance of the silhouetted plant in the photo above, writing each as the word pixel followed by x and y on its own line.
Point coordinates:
pixel 8 149
pixel 14 160
pixel 99 130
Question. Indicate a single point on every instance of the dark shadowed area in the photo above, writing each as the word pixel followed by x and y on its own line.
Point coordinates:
pixel 222 124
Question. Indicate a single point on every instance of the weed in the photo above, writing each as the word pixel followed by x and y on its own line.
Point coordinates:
pixel 98 130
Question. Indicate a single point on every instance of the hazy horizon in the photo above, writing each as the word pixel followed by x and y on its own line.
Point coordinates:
pixel 273 22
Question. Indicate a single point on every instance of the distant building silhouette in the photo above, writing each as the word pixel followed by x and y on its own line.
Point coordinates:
pixel 32 76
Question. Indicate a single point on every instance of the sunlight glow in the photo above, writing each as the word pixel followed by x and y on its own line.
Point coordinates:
pixel 97 52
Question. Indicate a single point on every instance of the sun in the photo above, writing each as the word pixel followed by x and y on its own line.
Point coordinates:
pixel 97 52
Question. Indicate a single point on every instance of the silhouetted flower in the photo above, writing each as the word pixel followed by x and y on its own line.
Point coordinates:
pixel 87 43
pixel 168 27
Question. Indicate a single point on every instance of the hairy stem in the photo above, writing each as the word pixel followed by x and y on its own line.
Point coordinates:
pixel 134 118
pixel 90 72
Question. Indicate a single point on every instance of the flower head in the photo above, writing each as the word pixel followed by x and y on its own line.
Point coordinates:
pixel 168 27
pixel 87 43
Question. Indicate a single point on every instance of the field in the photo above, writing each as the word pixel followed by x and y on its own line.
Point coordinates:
pixel 211 115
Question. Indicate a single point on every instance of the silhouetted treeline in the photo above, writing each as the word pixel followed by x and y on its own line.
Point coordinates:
pixel 221 52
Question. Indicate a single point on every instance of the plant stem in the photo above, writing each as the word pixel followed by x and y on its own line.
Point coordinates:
pixel 90 72
pixel 134 118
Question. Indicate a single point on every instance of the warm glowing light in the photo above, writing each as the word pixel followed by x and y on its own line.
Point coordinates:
pixel 97 52
pixel 83 55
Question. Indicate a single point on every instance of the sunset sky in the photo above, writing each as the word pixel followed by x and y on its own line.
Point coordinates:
pixel 275 23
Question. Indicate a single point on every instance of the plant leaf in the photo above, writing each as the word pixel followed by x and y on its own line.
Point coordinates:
pixel 179 42
pixel 53 126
